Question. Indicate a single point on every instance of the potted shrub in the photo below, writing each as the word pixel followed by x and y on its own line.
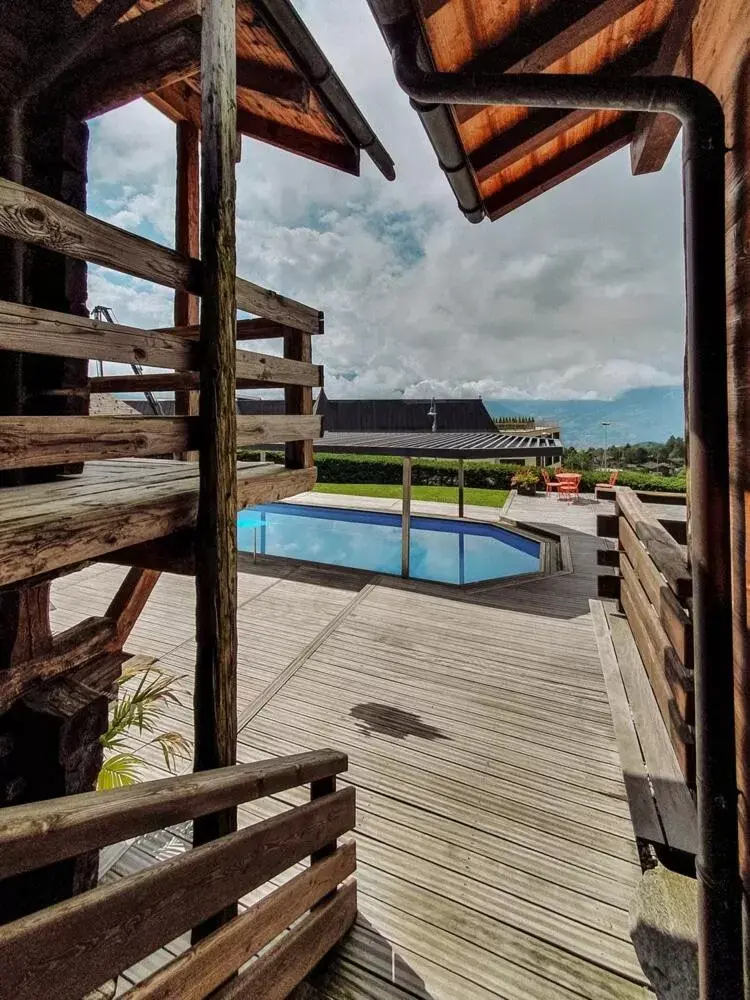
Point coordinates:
pixel 525 481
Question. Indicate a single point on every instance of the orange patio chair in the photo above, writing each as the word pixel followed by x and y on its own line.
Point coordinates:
pixel 549 485
pixel 612 480
pixel 569 488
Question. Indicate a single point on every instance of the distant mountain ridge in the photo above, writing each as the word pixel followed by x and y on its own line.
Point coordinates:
pixel 650 414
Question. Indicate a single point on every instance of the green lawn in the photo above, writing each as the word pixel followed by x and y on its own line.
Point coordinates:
pixel 444 494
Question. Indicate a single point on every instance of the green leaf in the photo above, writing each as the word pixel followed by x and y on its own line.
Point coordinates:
pixel 119 770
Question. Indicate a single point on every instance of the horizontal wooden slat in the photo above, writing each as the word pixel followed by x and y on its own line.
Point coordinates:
pixel 247 329
pixel 287 962
pixel 669 678
pixel 671 614
pixel 210 963
pixel 70 649
pixel 72 947
pixel 39 833
pixel 282 371
pixel 35 218
pixel 42 331
pixel 662 548
pixel 38 441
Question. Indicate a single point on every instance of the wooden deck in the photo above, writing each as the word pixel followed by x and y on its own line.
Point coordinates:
pixel 496 852
pixel 115 504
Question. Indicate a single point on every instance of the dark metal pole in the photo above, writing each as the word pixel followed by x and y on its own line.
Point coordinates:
pixel 719 931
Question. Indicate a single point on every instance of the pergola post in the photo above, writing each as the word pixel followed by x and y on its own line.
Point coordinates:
pixel 406 517
pixel 215 699
pixel 460 487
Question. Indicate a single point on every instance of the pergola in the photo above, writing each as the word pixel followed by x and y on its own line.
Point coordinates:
pixel 456 445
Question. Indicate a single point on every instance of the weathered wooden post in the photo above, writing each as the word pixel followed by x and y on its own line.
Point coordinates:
pixel 187 241
pixel 215 700
pixel 406 518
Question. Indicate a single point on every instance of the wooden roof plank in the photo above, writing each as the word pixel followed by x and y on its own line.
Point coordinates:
pixel 334 154
pixel 655 134
pixel 540 127
pixel 567 164
pixel 542 40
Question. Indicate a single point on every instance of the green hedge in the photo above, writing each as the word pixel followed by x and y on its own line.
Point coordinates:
pixel 442 472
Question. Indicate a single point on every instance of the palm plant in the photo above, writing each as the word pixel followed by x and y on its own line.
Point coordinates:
pixel 139 708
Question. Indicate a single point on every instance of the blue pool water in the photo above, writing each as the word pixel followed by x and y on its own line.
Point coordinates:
pixel 440 550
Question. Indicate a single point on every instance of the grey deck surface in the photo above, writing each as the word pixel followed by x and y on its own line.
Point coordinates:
pixel 496 852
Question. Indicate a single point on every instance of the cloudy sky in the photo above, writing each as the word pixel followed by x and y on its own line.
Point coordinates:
pixel 578 294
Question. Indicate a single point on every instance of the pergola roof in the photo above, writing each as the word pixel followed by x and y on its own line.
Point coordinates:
pixel 498 158
pixel 287 92
pixel 475 445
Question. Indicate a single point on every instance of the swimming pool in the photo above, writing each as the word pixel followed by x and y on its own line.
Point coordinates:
pixel 443 551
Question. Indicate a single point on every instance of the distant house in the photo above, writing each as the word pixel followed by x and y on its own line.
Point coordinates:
pixel 367 416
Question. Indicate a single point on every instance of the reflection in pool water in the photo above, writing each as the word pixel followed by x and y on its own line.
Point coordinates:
pixel 441 550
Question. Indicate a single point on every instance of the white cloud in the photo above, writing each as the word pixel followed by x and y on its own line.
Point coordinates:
pixel 579 293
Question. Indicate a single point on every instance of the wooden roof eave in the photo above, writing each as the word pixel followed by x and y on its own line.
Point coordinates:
pixel 158 58
pixel 541 147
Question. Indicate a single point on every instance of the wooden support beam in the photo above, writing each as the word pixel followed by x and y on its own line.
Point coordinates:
pixel 569 163
pixel 144 28
pixel 126 606
pixel 298 400
pixel 655 134
pixel 544 38
pixel 187 241
pixel 540 127
pixel 27 442
pixel 34 218
pixel 72 648
pixel 215 697
pixel 107 83
pixel 51 63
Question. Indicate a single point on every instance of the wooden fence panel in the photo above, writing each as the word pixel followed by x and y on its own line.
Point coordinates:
pixel 78 944
pixel 212 961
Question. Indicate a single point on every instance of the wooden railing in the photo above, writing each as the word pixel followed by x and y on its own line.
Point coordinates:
pixel 37 441
pixel 653 587
pixel 78 945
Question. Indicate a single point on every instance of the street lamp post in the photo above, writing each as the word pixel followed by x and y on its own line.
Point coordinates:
pixel 605 425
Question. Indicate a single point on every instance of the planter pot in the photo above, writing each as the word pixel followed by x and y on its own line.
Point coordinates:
pixel 526 491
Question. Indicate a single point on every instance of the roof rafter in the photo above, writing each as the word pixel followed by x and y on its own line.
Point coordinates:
pixel 181 102
pixel 655 134
pixel 545 38
pixel 569 163
pixel 540 127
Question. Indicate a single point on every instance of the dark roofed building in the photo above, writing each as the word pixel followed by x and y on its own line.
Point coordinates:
pixel 245 407
pixel 359 416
